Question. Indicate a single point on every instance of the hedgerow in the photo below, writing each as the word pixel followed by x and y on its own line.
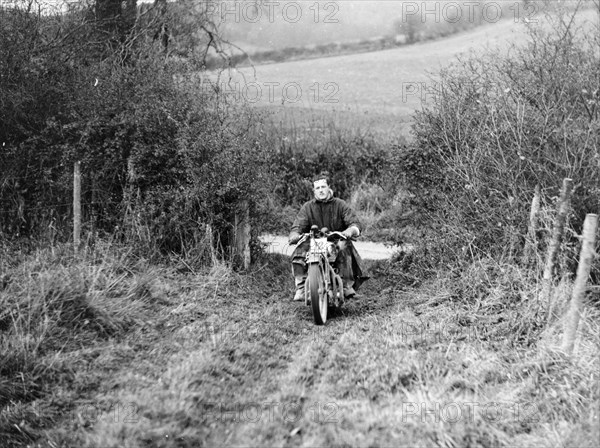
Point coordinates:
pixel 164 157
pixel 497 127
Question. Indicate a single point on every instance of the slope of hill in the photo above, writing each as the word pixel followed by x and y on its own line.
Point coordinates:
pixel 383 88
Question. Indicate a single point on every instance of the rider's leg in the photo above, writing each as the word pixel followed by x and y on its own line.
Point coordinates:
pixel 344 264
pixel 299 269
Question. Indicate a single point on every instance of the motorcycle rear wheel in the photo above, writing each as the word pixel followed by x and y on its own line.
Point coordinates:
pixel 318 293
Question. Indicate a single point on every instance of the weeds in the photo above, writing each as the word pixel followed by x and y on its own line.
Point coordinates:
pixel 54 305
pixel 171 359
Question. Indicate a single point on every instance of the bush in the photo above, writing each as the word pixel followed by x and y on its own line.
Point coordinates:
pixel 162 155
pixel 351 156
pixel 499 126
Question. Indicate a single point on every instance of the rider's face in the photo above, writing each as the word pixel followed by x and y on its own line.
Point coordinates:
pixel 321 189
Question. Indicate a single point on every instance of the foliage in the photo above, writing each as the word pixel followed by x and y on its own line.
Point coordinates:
pixel 162 153
pixel 53 304
pixel 497 127
pixel 351 156
pixel 356 160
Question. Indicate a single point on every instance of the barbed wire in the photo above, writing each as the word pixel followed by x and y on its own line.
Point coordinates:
pixel 63 174
pixel 54 206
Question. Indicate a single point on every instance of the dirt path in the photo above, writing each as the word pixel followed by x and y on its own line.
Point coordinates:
pixel 367 249
pixel 317 395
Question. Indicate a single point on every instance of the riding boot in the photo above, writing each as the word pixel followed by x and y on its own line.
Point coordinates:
pixel 348 289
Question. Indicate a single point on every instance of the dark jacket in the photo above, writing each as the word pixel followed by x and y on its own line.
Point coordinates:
pixel 335 214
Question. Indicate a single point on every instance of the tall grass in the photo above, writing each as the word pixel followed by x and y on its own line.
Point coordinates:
pixel 234 344
pixel 53 304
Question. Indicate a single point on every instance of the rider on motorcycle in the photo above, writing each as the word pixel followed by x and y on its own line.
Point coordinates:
pixel 335 214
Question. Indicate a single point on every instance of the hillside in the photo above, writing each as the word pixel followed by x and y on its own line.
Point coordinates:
pixel 376 87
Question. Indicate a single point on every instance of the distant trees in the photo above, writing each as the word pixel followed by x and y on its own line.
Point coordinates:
pixel 421 20
pixel 409 26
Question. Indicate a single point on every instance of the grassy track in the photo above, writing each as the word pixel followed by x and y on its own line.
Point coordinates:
pixel 229 360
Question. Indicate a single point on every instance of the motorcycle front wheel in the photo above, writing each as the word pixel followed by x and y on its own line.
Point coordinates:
pixel 318 293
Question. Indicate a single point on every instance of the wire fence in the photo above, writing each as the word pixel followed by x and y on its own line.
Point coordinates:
pixel 72 215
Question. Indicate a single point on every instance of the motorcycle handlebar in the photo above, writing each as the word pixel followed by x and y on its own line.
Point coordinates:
pixel 328 235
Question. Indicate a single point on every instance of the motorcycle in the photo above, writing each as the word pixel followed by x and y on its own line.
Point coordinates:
pixel 323 288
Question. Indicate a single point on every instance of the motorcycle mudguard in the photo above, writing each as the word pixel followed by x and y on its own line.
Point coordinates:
pixel 314 260
pixel 306 286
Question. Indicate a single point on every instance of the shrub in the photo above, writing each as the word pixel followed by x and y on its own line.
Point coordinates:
pixel 162 153
pixel 499 126
pixel 351 156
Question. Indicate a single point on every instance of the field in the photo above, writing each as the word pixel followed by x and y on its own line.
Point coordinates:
pixel 377 91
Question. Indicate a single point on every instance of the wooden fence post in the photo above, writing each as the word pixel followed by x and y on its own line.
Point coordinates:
pixel 554 246
pixel 129 195
pixel 531 242
pixel 242 234
pixel 76 206
pixel 93 209
pixel 211 244
pixel 586 257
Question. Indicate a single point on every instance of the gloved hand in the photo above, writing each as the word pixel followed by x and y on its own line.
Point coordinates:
pixel 294 238
pixel 350 232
